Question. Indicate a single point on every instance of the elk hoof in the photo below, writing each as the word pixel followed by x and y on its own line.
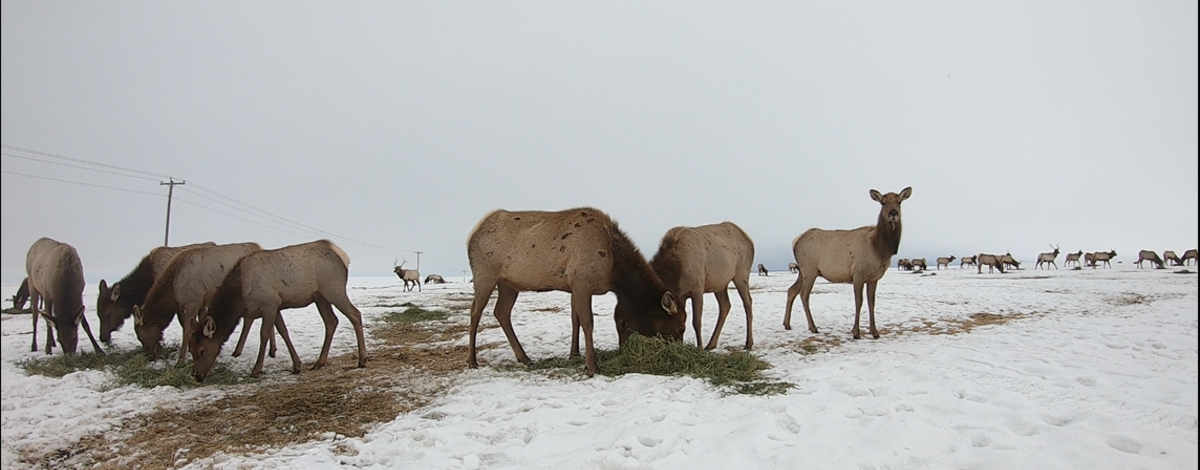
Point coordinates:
pixel 239 353
pixel 272 353
pixel 295 371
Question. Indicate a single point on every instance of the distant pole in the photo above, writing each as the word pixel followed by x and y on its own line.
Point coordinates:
pixel 464 276
pixel 170 192
pixel 418 260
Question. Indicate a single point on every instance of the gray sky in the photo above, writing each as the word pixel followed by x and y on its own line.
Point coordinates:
pixel 393 127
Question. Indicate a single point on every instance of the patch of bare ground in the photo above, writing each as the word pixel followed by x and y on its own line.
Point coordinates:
pixel 403 373
pixel 943 326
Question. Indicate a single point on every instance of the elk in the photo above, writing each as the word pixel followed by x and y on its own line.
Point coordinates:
pixel 1189 257
pixel 693 261
pixel 115 303
pixel 434 278
pixel 55 276
pixel 1072 258
pixel 179 291
pixel 944 261
pixel 991 261
pixel 1103 257
pixel 762 270
pixel 1089 259
pixel 21 296
pixel 410 276
pixel 860 256
pixel 966 261
pixel 793 268
pixel 1009 261
pixel 581 251
pixel 904 263
pixel 266 281
pixel 918 263
pixel 1152 257
pixel 1047 258
pixel 1168 256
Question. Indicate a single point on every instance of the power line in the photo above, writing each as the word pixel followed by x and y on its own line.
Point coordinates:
pixel 76 166
pixel 79 160
pixel 81 183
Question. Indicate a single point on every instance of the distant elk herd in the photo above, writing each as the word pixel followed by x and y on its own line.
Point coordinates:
pixel 210 289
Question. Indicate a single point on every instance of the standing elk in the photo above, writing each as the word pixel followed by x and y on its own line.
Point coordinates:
pixel 434 278
pixel 1171 257
pixel 1073 258
pixel 115 303
pixel 904 264
pixel 693 261
pixel 1047 258
pixel 180 289
pixel 581 251
pixel 266 281
pixel 1089 259
pixel 55 276
pixel 1151 256
pixel 967 261
pixel 860 256
pixel 918 264
pixel 793 268
pixel 989 260
pixel 944 261
pixel 21 296
pixel 762 270
pixel 1103 257
pixel 1189 257
pixel 410 277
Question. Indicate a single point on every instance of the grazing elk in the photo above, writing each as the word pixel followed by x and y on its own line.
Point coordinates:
pixel 179 291
pixel 434 278
pixel 1152 257
pixel 860 256
pixel 1189 257
pixel 918 264
pixel 967 261
pixel 1009 262
pixel 1103 257
pixel 944 261
pixel 762 270
pixel 793 268
pixel 410 277
pixel 1073 258
pixel 115 303
pixel 1168 256
pixel 693 261
pixel 989 260
pixel 21 296
pixel 1089 259
pixel 1047 258
pixel 904 264
pixel 581 251
pixel 266 281
pixel 55 276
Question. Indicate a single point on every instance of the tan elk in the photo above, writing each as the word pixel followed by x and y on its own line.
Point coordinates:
pixel 1103 257
pixel 1189 257
pixel 966 261
pixel 179 291
pixel 693 261
pixel 989 260
pixel 115 303
pixel 1047 258
pixel 904 264
pixel 1168 257
pixel 435 278
pixel 266 281
pixel 918 264
pixel 1009 262
pixel 762 270
pixel 860 256
pixel 945 261
pixel 793 268
pixel 1073 258
pixel 55 275
pixel 411 277
pixel 581 251
pixel 1151 256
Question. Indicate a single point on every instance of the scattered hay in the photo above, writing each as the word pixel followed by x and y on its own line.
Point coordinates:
pixel 1129 298
pixel 553 309
pixel 131 367
pixel 414 313
pixel 954 326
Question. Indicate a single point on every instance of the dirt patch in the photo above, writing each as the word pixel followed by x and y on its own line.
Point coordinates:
pixel 554 309
pixel 954 326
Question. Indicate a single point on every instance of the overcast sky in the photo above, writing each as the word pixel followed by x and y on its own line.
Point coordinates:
pixel 393 127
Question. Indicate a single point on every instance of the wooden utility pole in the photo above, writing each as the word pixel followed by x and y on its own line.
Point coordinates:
pixel 418 260
pixel 170 192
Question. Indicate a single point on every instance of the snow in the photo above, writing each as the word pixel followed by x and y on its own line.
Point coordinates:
pixel 1096 369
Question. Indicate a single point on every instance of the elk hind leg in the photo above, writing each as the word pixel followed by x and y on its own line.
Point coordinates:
pixel 743 288
pixel 504 305
pixel 355 317
pixel 792 292
pixel 331 323
pixel 723 307
pixel 482 294
pixel 805 294
pixel 287 341
pixel 698 315
pixel 581 306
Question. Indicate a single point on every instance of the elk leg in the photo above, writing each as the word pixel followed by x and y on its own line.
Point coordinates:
pixel 186 320
pixel 574 333
pixel 355 317
pixel 33 295
pixel 581 304
pixel 287 341
pixel 88 329
pixel 268 314
pixel 331 323
pixel 503 313
pixel 50 344
pixel 792 292
pixel 871 307
pixel 477 306
pixel 723 307
pixel 246 322
pixel 805 294
pixel 858 302
pixel 743 289
pixel 697 315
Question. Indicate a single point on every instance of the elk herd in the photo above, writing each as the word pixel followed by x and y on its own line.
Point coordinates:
pixel 209 289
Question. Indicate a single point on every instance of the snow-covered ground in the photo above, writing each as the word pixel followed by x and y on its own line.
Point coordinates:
pixel 1097 369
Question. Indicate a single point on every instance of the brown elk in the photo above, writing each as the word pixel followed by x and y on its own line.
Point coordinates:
pixel 434 278
pixel 55 276
pixel 904 264
pixel 410 277
pixel 944 261
pixel 115 303
pixel 581 251
pixel 918 264
pixel 966 261
pixel 1152 257
pixel 266 281
pixel 1009 262
pixel 1170 257
pixel 693 261
pixel 1047 258
pixel 1189 257
pixel 21 296
pixel 860 256
pixel 1073 258
pixel 179 291
pixel 762 270
pixel 793 268
pixel 1089 259
pixel 989 260
pixel 1103 257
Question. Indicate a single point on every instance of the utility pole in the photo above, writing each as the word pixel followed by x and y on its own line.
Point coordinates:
pixel 170 192
pixel 418 260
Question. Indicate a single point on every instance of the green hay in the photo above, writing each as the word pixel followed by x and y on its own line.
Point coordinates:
pixel 131 367
pixel 737 371
pixel 414 313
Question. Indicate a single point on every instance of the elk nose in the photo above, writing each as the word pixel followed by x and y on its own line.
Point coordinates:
pixel 893 213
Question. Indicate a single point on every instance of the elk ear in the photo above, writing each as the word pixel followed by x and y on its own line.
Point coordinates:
pixel 669 304
pixel 103 286
pixel 47 316
pixel 79 318
pixel 138 319
pixel 905 193
pixel 210 327
pixel 875 196
pixel 116 291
